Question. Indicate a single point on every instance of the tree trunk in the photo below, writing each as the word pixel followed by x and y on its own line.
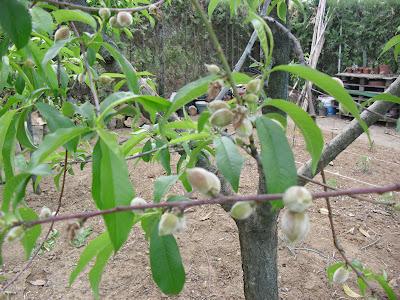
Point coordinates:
pixel 258 244
pixel 258 235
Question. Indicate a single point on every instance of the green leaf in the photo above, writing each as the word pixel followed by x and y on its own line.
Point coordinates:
pixel 390 44
pixel 385 97
pixel 68 109
pixel 229 160
pixel 15 21
pixel 212 6
pixel 54 50
pixel 202 120
pixel 8 150
pixel 132 142
pixel 42 21
pixel 31 234
pixel 126 67
pixel 97 271
pixel 146 148
pixel 111 187
pixel 386 287
pixel 189 92
pixel 332 268
pixel 55 120
pixel 14 191
pixel 166 263
pixel 90 252
pixel 162 185
pixel 55 140
pixel 329 85
pixel 282 11
pixel 361 285
pixel 311 132
pixel 66 15
pixel 23 135
pixel 276 157
pixel 5 122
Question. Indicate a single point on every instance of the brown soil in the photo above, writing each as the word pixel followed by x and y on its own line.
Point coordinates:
pixel 210 247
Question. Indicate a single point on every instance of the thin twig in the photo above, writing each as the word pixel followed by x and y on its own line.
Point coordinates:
pixel 29 263
pixel 336 189
pixel 96 9
pixel 336 241
pixel 218 48
pixel 90 77
pixel 295 42
pixel 182 205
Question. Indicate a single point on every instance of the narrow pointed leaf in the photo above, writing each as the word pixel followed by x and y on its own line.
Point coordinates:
pixel 31 234
pixel 89 253
pixel 166 263
pixel 276 157
pixel 311 132
pixel 229 160
pixel 326 83
pixel 111 187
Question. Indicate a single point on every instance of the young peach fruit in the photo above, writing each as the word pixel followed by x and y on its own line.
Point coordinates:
pixel 215 105
pixel 169 223
pixel 138 201
pixel 204 181
pixel 245 129
pixel 213 69
pixel 124 19
pixel 295 226
pixel 297 199
pixel 341 275
pixel 242 210
pixel 222 117
pixel 62 33
pixel 104 13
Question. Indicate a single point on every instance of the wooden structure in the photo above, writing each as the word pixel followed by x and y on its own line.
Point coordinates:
pixel 364 86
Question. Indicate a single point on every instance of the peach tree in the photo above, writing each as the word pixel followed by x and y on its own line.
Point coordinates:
pixel 48 48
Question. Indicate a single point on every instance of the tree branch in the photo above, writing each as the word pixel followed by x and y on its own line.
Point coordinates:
pixel 96 9
pixel 336 241
pixel 182 205
pixel 218 48
pixel 296 46
pixel 351 132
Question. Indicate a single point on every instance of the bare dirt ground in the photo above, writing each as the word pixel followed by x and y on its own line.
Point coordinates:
pixel 210 247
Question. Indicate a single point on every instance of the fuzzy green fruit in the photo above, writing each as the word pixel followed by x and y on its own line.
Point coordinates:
pixel 104 13
pixel 15 233
pixel 215 105
pixel 204 181
pixel 124 19
pixel 169 223
pixel 245 129
pixel 341 275
pixel 113 22
pixel 254 86
pixel 297 199
pixel 294 226
pixel 222 117
pixel 213 69
pixel 242 210
pixel 138 201
pixel 251 98
pixel 45 212
pixel 62 33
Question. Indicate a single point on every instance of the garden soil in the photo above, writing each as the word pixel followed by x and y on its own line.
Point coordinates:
pixel 210 246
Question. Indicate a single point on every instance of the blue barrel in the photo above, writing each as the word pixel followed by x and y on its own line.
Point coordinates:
pixel 331 110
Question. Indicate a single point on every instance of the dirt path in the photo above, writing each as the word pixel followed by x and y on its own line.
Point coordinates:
pixel 210 247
